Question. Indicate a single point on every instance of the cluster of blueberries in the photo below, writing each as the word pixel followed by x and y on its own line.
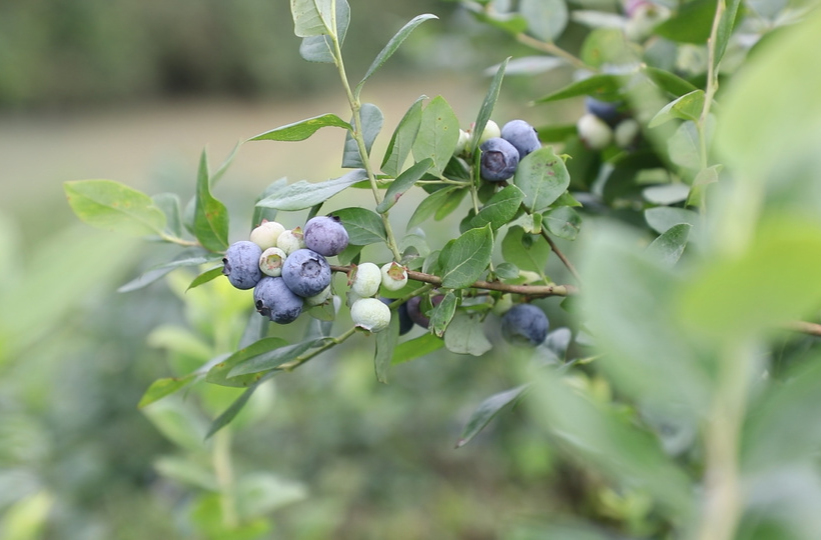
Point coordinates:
pixel 502 149
pixel 605 123
pixel 288 271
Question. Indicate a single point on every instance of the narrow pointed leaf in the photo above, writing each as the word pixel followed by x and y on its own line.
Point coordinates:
pixel 157 272
pixel 164 387
pixel 109 205
pixel 210 215
pixel 725 30
pixel 486 110
pixel 272 359
pixel 598 86
pixel 416 348
pixel 304 194
pixel 399 147
pixel 403 183
pixel 234 409
pixel 299 131
pixel 218 374
pixel 427 208
pixel 385 344
pixel 486 411
pixel 686 107
pixel 669 247
pixel 669 82
pixel 205 277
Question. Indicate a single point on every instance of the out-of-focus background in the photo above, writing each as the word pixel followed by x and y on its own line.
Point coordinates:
pixel 133 91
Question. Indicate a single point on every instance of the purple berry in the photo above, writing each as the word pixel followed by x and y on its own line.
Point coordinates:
pixel 405 322
pixel 275 300
pixel 415 309
pixel 605 110
pixel 524 325
pixel 306 272
pixel 521 135
pixel 499 159
pixel 241 264
pixel 325 235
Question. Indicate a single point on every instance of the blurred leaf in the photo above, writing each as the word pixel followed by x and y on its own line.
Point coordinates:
pixel 542 177
pixel 385 344
pixel 443 313
pixel 416 348
pixel 364 226
pixel 429 205
pixel 465 335
pixel 303 194
pixel 372 118
pixel 546 19
pixel 179 422
pixel 566 199
pixel 437 136
pixel 467 258
pixel 500 209
pixel 486 411
pixel 666 193
pixel 507 270
pixel 528 65
pixel 401 142
pixel 115 207
pixel 450 204
pixel 392 46
pixel 273 358
pixel 526 251
pixel 512 23
pixel 683 146
pixel 670 82
pixel 704 178
pixel 270 214
pixel 595 433
pixel 686 107
pixel 662 218
pixel 350 254
pixel 223 168
pixel 692 23
pixel 312 17
pixel 403 183
pixel 260 493
pixel 320 48
pixel 731 297
pixel 169 203
pixel 207 515
pixel 725 30
pixel 27 518
pixel 164 387
pixel 668 248
pixel 598 19
pixel 603 87
pixel 206 276
pixel 210 215
pixel 556 133
pixel 563 222
pixel 486 110
pixel 563 531
pixel 153 274
pixel 607 46
pixel 219 373
pixel 225 418
pixel 299 131
pixel 187 471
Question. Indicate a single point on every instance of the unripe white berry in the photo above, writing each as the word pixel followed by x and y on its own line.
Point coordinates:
pixel 394 276
pixel 594 132
pixel 290 241
pixel 370 314
pixel 319 299
pixel 626 133
pixel 491 131
pixel 266 235
pixel 462 144
pixel 366 279
pixel 271 261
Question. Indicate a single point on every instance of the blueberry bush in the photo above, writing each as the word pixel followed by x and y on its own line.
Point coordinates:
pixel 683 208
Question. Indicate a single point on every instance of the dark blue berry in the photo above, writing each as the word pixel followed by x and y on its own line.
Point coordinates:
pixel 306 272
pixel 524 325
pixel 325 235
pixel 273 299
pixel 499 159
pixel 607 111
pixel 241 264
pixel 521 135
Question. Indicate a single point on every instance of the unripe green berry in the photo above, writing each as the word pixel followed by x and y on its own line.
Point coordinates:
pixel 271 260
pixel 462 144
pixel 366 279
pixel 594 132
pixel 319 299
pixel 626 133
pixel 491 130
pixel 371 314
pixel 266 235
pixel 290 241
pixel 394 276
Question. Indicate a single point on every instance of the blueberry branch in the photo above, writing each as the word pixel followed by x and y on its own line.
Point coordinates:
pixel 551 48
pixel 329 343
pixel 561 256
pixel 526 290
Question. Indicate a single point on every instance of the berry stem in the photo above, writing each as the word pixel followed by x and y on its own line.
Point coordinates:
pixel 555 50
pixel 179 241
pixel 329 343
pixel 561 256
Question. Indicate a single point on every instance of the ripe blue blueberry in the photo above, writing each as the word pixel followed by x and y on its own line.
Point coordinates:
pixel 273 299
pixel 606 111
pixel 499 159
pixel 405 322
pixel 521 135
pixel 326 235
pixel 524 325
pixel 306 272
pixel 241 264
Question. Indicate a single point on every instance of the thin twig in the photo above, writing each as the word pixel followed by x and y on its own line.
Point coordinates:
pixel 561 256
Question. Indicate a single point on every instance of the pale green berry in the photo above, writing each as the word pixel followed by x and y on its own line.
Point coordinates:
pixel 461 146
pixel 319 299
pixel 290 241
pixel 394 276
pixel 594 132
pixel 502 305
pixel 626 133
pixel 266 235
pixel 271 260
pixel 366 279
pixel 370 314
pixel 491 131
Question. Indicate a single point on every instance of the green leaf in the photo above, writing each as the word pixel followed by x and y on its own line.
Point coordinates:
pixel 416 348
pixel 187 471
pixel 687 107
pixel 486 411
pixel 164 387
pixel 507 271
pixel 528 65
pixel 668 248
pixel 662 218
pixel 528 252
pixel 210 215
pixel 372 119
pixel 669 81
pixel 403 183
pixel 231 412
pixel 385 344
pixel 563 222
pixel 113 206
pixel 223 168
pixel 392 46
pixel 556 132
pixel 304 194
pixel 299 131
pixel 179 421
pixel 399 147
pixel 157 272
pixel 607 47
pixel 467 259
pixel 169 203
pixel 260 212
pixel 602 87
pixel 725 30
pixel 684 147
pixel 205 277
pixel 542 177
pixel 428 206
pixel 546 19
pixel 437 136
pixel 692 23
pixel 364 227
pixel 443 314
pixel 312 17
pixel 219 372
pixel 704 178
pixel 451 203
pixel 320 48
pixel 465 335
pixel 512 23
pixel 486 110
pixel 273 359
pixel 259 493
pixel 500 208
